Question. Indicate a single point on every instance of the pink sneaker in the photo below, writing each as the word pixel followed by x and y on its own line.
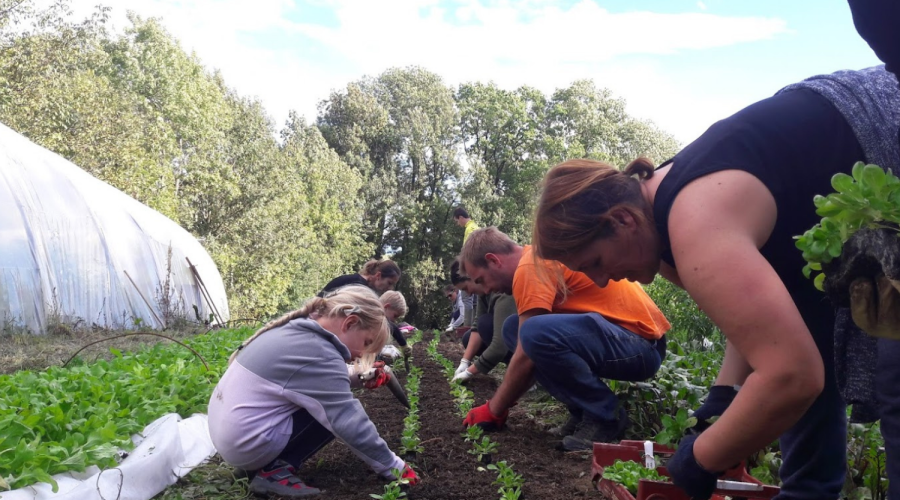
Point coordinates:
pixel 279 478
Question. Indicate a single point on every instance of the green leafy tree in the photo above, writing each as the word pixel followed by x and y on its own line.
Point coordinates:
pixel 504 144
pixel 357 126
pixel 53 89
pixel 191 107
pixel 334 212
pixel 584 121
pixel 138 112
pixel 512 138
pixel 380 173
pixel 400 132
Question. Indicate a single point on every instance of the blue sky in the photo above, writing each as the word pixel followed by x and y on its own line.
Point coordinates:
pixel 681 63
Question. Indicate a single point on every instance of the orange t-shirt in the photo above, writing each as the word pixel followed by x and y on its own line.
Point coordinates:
pixel 624 303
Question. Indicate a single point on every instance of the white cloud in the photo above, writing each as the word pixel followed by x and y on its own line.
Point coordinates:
pixel 535 43
pixel 585 33
pixel 701 5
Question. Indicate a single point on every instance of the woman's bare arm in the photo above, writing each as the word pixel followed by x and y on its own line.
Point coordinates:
pixel 717 225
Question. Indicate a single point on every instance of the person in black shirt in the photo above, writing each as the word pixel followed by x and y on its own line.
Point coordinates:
pixel 379 275
pixel 719 220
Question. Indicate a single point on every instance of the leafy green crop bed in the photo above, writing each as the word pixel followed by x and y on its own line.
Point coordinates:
pixel 65 419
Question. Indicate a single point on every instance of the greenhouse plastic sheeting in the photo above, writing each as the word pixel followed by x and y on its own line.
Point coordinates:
pixel 68 239
pixel 167 449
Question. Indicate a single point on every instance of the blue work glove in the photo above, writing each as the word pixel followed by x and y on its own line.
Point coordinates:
pixel 717 401
pixel 687 474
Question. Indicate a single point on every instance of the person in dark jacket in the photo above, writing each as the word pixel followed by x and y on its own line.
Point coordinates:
pixel 379 275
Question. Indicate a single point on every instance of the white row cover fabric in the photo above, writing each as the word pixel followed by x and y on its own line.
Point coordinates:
pixel 167 450
pixel 67 240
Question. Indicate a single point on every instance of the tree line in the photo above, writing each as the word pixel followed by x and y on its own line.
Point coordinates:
pixel 283 210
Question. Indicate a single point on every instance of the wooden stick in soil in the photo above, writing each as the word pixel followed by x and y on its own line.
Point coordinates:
pixel 145 299
pixel 204 289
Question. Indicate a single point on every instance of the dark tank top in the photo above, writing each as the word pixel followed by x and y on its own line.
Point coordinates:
pixel 794 143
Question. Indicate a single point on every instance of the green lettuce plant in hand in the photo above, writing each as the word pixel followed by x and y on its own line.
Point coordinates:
pixel 869 198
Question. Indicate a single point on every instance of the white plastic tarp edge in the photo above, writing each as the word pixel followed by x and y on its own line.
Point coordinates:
pixel 169 448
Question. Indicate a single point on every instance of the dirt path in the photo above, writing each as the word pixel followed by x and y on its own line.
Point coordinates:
pixel 530 449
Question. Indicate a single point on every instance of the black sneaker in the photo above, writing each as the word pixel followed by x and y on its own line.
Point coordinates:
pixel 568 428
pixel 595 431
pixel 278 478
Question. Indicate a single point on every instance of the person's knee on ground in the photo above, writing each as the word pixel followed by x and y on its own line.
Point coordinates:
pixel 471 341
pixel 485 327
pixel 483 331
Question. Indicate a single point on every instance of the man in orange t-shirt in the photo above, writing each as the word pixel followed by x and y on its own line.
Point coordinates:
pixel 569 334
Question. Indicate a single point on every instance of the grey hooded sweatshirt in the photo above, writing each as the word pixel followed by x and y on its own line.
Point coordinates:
pixel 297 365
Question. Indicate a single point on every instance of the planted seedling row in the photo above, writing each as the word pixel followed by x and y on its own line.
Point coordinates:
pixel 394 489
pixel 483 448
pixel 410 442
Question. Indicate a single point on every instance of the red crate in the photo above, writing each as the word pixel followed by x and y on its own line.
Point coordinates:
pixel 606 454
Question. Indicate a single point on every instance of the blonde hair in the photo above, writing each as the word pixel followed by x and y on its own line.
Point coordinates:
pixel 482 242
pixel 350 300
pixel 397 302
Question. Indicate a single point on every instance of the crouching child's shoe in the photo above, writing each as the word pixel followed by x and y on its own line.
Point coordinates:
pixel 279 478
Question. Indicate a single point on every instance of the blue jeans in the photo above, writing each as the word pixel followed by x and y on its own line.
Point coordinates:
pixel 573 352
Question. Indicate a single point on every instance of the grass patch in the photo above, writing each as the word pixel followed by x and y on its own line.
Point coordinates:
pixel 26 351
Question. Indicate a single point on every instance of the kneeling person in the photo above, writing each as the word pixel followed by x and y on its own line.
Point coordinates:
pixel 483 339
pixel 568 334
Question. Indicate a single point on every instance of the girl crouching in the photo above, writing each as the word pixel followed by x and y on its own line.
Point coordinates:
pixel 287 393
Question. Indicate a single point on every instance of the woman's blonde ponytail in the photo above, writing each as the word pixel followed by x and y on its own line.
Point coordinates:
pixel 354 299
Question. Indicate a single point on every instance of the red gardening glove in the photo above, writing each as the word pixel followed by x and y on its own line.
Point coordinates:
pixel 376 377
pixel 484 418
pixel 410 475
